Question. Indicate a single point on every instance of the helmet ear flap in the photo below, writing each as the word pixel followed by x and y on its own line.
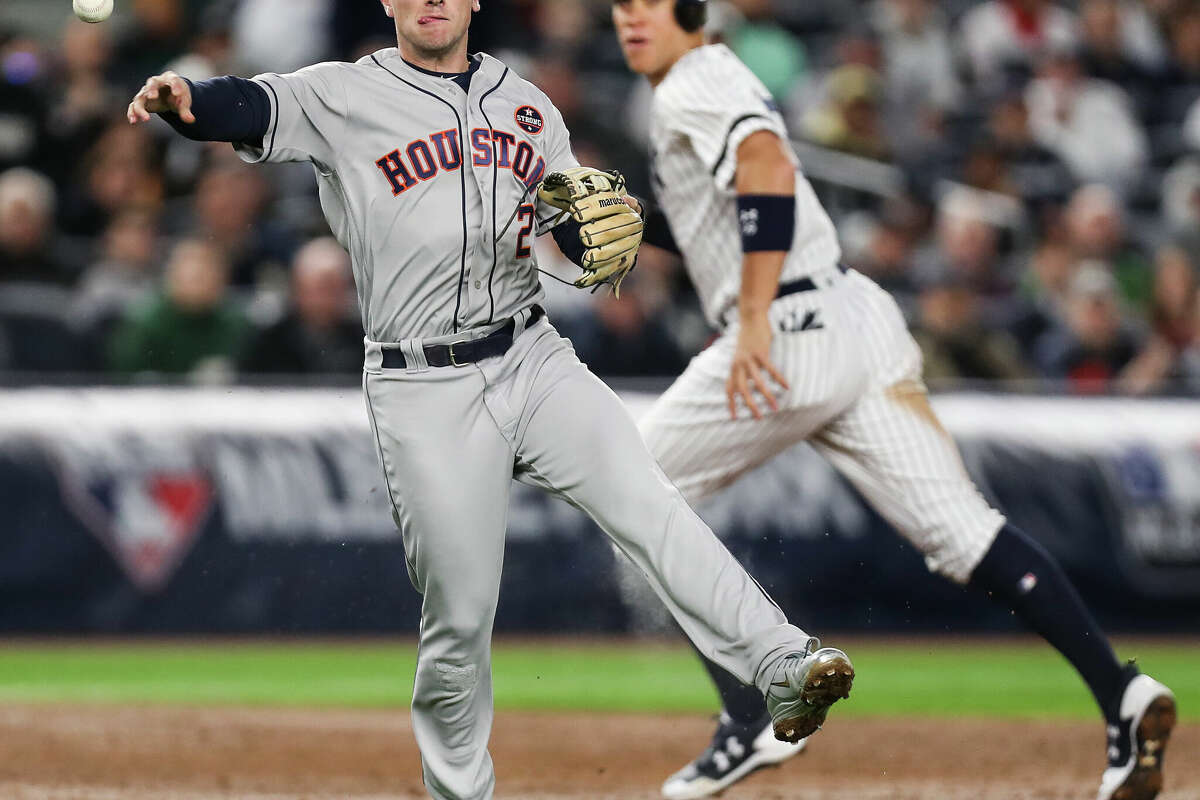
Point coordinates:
pixel 691 14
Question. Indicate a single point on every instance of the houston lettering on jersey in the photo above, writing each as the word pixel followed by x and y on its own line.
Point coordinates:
pixel 519 158
pixel 406 168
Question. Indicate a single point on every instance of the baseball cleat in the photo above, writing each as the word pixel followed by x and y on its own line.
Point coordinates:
pixel 1137 741
pixel 737 750
pixel 803 688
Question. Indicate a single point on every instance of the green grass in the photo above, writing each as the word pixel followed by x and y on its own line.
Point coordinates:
pixel 938 677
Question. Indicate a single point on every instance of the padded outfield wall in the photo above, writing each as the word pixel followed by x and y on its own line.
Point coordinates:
pixel 263 511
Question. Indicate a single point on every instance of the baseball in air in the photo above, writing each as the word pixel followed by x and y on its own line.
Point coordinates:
pixel 93 10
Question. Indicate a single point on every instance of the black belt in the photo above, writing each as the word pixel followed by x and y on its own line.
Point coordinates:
pixel 460 354
pixel 800 285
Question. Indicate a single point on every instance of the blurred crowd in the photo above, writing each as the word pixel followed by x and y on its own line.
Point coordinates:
pixel 1023 175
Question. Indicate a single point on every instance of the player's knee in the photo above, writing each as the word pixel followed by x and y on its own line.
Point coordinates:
pixel 954 554
pixel 465 633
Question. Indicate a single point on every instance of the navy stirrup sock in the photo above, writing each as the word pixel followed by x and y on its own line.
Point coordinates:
pixel 745 704
pixel 1019 573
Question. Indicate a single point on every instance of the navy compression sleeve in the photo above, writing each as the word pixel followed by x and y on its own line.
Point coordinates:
pixel 567 237
pixel 227 109
pixel 658 232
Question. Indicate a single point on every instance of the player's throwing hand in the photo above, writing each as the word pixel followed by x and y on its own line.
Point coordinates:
pixel 750 359
pixel 166 92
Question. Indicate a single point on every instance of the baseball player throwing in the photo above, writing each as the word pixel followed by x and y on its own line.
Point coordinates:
pixel 435 169
pixel 812 351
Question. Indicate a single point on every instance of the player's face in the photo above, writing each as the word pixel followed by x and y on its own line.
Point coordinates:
pixel 432 27
pixel 650 37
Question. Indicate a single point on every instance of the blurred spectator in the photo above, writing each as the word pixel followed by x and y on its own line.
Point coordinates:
pixel 1174 295
pixel 850 120
pixel 1121 45
pixel 968 247
pixel 773 54
pixel 1181 206
pixel 1181 83
pixel 1096 229
pixel 1003 39
pixel 116 174
pixel 27 241
pixel 1032 171
pixel 82 102
pixel 919 77
pixel 1087 123
pixel 887 257
pixel 1041 305
pixel 1173 353
pixel 1191 126
pixel 984 167
pixel 125 275
pixel 561 26
pixel 190 326
pixel 282 35
pixel 1095 344
pixel 955 342
pixel 320 334
pixel 230 204
pixel 628 337
pixel 210 50
pixel 158 32
pixel 24 134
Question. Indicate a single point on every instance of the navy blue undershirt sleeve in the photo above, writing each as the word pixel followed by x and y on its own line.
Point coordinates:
pixel 658 232
pixel 227 109
pixel 567 237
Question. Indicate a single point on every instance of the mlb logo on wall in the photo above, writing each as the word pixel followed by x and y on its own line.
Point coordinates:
pixel 530 120
pixel 146 507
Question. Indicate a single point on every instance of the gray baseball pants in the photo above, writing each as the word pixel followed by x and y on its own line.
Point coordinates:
pixel 450 441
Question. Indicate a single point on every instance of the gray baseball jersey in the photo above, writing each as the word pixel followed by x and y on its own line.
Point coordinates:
pixel 395 148
pixel 709 103
pixel 429 187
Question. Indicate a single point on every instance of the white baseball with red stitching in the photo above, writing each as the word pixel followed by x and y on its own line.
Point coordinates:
pixel 93 10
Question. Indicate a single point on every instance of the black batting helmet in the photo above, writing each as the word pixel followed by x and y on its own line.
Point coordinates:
pixel 691 14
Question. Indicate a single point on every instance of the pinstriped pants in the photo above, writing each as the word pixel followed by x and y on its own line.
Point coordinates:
pixel 857 397
pixel 451 441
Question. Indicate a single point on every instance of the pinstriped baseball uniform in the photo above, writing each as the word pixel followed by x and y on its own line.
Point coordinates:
pixel 855 372
pixel 427 184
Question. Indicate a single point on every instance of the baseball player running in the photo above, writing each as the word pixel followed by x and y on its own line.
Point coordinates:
pixel 809 350
pixel 429 164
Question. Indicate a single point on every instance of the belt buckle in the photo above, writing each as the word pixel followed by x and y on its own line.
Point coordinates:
pixel 453 360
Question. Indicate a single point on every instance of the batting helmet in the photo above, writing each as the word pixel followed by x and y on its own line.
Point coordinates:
pixel 691 14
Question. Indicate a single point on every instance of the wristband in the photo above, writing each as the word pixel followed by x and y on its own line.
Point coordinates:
pixel 767 222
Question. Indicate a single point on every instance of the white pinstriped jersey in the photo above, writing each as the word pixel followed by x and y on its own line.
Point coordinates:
pixel 707 105
pixel 854 372
pixel 428 187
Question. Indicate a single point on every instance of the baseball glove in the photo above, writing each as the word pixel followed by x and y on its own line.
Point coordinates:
pixel 611 230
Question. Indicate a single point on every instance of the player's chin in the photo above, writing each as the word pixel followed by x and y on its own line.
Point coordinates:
pixel 637 60
pixel 436 38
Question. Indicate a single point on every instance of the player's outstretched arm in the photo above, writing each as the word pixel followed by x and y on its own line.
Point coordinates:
pixel 226 109
pixel 161 93
pixel 766 187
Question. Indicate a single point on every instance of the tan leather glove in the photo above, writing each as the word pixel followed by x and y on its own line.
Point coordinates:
pixel 611 230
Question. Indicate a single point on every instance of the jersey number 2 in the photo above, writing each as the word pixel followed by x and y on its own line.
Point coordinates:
pixel 525 213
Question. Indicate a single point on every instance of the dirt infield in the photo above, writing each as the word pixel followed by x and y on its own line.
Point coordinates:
pixel 90 753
